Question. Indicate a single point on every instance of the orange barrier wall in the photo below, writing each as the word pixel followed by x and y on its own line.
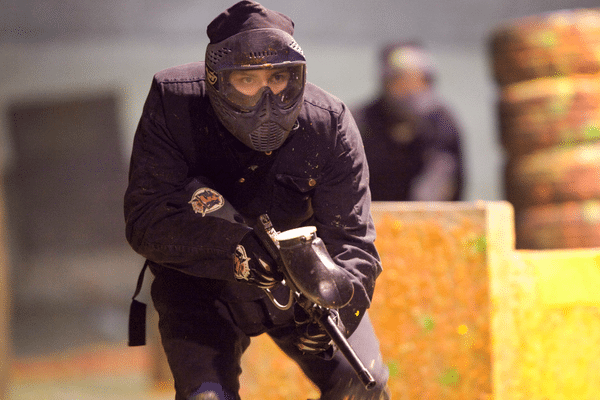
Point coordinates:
pixel 431 308
pixel 548 326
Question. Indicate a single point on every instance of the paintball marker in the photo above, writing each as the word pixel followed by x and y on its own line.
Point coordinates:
pixel 315 282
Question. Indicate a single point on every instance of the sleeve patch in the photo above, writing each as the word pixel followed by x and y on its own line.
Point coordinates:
pixel 206 200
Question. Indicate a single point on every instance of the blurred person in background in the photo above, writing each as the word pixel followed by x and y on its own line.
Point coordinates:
pixel 411 141
pixel 220 143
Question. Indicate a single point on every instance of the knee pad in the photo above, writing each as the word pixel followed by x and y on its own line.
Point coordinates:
pixel 210 391
pixel 210 395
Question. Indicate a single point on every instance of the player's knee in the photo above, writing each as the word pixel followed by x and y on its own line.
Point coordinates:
pixel 209 395
pixel 210 391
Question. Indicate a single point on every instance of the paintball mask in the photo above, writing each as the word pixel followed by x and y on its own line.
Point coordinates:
pixel 255 83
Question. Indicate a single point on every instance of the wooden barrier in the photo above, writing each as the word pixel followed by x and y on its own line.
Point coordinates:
pixel 548 326
pixel 431 306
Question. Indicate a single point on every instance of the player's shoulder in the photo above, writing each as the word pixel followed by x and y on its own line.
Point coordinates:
pixel 189 72
pixel 318 98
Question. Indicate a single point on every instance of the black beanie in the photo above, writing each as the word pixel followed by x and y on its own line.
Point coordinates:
pixel 245 16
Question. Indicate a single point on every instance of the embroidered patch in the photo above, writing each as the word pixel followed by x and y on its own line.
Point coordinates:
pixel 206 200
pixel 241 266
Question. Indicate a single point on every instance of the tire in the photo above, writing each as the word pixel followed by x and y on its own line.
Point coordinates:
pixel 553 44
pixel 549 112
pixel 554 175
pixel 559 226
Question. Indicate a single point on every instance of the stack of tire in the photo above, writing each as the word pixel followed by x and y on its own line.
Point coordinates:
pixel 547 68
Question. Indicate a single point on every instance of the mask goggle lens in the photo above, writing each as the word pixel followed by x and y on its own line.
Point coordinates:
pixel 245 87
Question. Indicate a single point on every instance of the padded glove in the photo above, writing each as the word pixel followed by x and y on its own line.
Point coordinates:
pixel 253 264
pixel 312 338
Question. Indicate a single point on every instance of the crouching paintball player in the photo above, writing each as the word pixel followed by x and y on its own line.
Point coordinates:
pixel 248 197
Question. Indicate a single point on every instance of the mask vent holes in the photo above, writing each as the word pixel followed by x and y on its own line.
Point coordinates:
pixel 261 54
pixel 215 56
pixel 267 137
pixel 296 47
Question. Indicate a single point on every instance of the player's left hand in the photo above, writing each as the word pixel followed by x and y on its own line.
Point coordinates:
pixel 312 338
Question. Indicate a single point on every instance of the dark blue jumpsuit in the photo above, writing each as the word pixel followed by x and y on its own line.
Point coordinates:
pixel 318 177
